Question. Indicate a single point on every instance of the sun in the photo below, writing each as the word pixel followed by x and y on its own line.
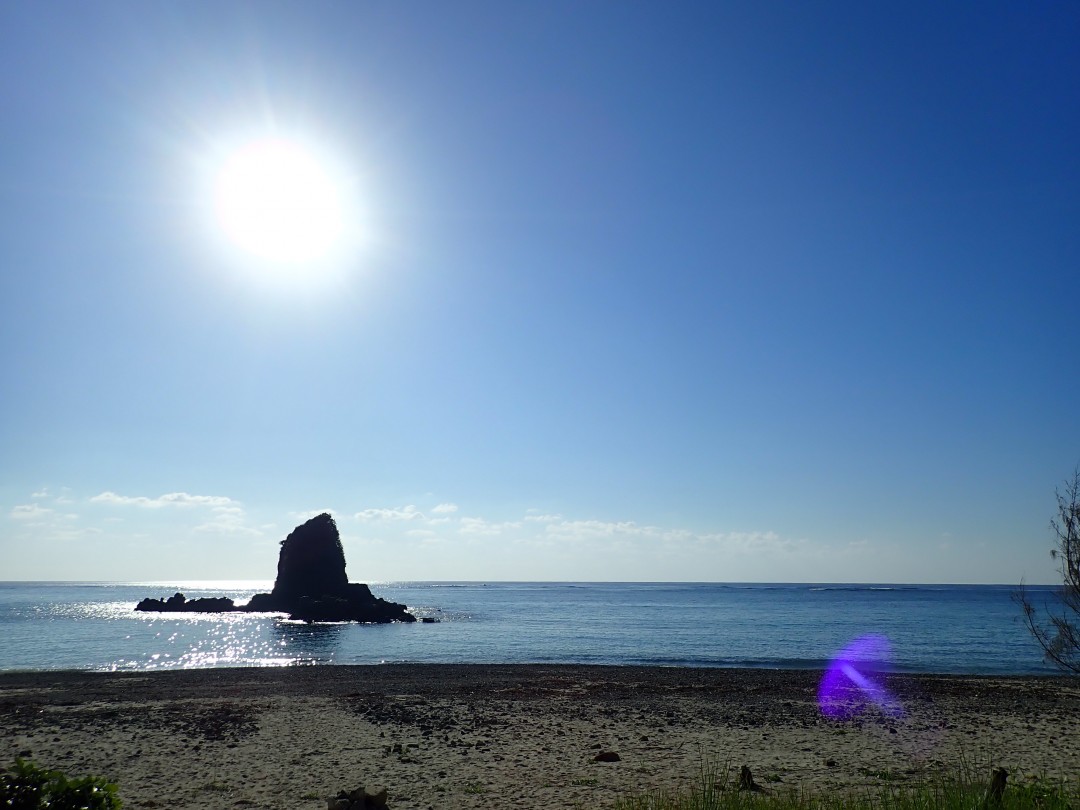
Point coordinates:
pixel 277 201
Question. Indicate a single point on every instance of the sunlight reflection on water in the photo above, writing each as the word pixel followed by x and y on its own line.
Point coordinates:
pixel 193 640
pixel 932 628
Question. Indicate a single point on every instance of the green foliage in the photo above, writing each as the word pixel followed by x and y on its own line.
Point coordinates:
pixel 26 786
pixel 1057 629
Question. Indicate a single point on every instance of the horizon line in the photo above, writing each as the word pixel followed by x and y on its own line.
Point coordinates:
pixel 880 584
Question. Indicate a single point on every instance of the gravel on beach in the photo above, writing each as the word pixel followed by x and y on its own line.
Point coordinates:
pixel 472 736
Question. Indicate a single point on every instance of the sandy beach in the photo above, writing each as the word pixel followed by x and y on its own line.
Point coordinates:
pixel 472 736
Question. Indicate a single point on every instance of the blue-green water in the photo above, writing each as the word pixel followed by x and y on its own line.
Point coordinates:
pixel 932 628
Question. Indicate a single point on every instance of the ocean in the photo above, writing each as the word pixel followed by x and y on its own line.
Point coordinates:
pixel 974 629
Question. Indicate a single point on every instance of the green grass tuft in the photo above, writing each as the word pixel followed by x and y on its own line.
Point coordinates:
pixel 717 790
pixel 475 788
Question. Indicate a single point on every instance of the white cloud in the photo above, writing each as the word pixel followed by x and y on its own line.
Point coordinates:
pixel 169 499
pixel 754 542
pixel 296 518
pixel 533 517
pixel 47 493
pixel 228 520
pixel 47 524
pixel 226 515
pixel 409 512
pixel 68 534
pixel 480 526
pixel 30 511
pixel 599 528
pixel 547 544
pixel 229 510
pixel 226 526
pixel 541 529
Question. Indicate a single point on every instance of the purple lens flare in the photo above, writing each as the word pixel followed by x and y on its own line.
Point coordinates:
pixel 854 682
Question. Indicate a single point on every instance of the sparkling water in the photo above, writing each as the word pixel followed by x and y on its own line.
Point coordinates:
pixel 931 628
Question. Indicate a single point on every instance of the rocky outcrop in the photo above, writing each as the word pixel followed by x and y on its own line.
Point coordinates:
pixel 358 799
pixel 311 564
pixel 357 598
pixel 178 603
pixel 311 584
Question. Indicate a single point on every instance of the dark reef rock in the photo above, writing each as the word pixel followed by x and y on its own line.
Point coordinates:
pixel 311 584
pixel 178 603
pixel 344 608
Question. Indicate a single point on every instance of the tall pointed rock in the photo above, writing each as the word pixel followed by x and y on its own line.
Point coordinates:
pixel 312 562
pixel 312 584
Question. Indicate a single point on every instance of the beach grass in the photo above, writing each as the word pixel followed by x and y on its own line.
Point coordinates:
pixel 717 789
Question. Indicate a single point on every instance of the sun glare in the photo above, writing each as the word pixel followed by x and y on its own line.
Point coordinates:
pixel 278 202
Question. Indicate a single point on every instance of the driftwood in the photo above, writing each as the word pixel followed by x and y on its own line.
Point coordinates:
pixel 996 790
pixel 746 781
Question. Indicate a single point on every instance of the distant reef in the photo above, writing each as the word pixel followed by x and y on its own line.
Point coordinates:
pixel 311 585
pixel 178 603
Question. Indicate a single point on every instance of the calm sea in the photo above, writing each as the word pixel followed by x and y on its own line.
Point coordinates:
pixel 932 628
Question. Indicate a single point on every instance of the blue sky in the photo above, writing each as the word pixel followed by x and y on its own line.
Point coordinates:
pixel 727 292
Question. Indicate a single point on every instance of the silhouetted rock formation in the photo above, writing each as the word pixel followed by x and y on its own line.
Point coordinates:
pixel 357 605
pixel 312 561
pixel 179 603
pixel 311 584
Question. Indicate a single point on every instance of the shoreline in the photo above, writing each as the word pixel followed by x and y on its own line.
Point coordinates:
pixel 488 735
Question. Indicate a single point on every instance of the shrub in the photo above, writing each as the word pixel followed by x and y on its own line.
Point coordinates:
pixel 1058 633
pixel 26 786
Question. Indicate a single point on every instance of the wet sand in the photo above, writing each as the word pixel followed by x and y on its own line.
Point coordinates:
pixel 479 736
